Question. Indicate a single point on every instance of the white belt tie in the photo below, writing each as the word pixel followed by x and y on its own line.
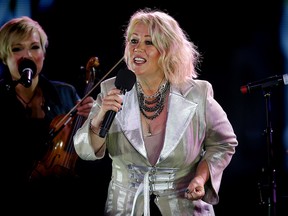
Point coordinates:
pixel 143 188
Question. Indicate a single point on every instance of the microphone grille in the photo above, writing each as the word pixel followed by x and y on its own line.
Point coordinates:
pixel 25 63
pixel 125 79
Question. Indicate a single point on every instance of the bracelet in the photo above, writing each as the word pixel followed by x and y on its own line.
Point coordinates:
pixel 92 128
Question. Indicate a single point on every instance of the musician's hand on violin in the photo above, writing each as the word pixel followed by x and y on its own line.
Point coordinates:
pixel 85 106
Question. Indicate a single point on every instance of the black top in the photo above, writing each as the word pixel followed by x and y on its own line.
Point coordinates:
pixel 25 140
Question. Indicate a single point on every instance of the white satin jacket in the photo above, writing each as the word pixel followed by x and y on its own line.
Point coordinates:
pixel 197 129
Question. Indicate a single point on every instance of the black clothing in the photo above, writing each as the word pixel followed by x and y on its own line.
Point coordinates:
pixel 25 140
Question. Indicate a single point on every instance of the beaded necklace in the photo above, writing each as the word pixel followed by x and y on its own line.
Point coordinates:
pixel 152 103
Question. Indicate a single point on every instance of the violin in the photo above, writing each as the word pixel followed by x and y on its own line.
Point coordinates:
pixel 61 156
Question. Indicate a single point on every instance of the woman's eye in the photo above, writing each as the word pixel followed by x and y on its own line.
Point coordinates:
pixel 148 43
pixel 35 47
pixel 16 49
pixel 134 41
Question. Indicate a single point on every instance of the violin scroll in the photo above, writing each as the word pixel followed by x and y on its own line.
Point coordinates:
pixel 91 66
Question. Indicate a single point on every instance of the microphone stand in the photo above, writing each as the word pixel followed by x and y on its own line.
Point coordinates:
pixel 23 80
pixel 271 199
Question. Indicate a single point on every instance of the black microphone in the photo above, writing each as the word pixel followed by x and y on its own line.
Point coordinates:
pixel 265 83
pixel 27 69
pixel 125 80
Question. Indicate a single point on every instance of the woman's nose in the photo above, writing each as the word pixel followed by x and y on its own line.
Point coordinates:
pixel 138 49
pixel 28 53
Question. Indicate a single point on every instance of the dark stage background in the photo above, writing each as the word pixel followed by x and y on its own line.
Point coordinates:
pixel 239 42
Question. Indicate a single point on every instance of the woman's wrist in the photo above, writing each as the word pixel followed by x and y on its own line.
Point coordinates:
pixel 93 129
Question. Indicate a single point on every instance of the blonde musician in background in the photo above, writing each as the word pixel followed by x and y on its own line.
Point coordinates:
pixel 26 112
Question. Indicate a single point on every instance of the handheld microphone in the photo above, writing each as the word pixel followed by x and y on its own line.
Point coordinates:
pixel 27 69
pixel 125 80
pixel 265 83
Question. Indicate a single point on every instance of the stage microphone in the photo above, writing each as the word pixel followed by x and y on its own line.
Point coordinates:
pixel 125 80
pixel 265 83
pixel 27 69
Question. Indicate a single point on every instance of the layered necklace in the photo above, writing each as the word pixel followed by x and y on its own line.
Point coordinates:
pixel 153 104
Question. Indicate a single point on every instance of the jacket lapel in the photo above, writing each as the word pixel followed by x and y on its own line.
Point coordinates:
pixel 129 120
pixel 180 113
